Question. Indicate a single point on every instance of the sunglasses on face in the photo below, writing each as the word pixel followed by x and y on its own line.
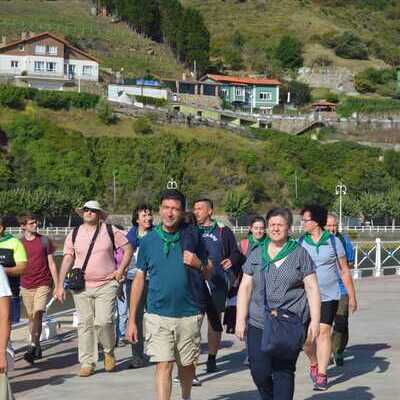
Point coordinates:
pixel 92 210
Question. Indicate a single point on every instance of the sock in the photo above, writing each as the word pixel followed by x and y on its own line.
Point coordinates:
pixel 211 357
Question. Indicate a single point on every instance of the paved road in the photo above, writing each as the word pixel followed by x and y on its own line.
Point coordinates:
pixel 371 371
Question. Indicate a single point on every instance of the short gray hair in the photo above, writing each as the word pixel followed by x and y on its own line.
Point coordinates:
pixel 285 213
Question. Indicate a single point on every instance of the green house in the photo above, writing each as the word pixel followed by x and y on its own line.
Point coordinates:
pixel 248 94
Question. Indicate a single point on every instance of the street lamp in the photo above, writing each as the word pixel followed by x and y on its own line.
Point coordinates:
pixel 341 190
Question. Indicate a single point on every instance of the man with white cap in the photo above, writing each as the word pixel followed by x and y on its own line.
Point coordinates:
pixel 90 249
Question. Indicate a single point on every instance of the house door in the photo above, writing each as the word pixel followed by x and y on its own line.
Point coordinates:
pixel 69 70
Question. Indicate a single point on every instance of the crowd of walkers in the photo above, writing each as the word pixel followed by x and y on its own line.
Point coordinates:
pixel 153 286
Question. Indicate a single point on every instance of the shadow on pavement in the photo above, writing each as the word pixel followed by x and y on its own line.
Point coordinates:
pixel 227 365
pixel 364 361
pixel 354 393
pixel 247 395
pixel 30 384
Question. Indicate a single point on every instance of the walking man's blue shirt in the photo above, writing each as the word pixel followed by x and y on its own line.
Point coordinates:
pixel 169 292
pixel 349 250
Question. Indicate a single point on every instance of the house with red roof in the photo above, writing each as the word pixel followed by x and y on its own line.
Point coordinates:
pixel 247 93
pixel 46 61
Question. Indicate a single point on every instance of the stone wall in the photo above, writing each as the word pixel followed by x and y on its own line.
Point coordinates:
pixel 199 101
pixel 334 78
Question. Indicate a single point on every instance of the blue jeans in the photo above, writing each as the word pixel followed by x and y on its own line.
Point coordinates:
pixel 15 309
pixel 122 314
pixel 273 377
pixel 138 348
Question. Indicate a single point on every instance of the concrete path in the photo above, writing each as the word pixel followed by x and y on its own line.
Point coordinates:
pixel 371 371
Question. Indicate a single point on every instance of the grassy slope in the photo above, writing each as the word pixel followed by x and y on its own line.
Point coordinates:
pixel 114 44
pixel 263 23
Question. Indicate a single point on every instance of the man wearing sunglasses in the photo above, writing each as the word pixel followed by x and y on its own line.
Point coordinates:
pixel 92 245
pixel 36 280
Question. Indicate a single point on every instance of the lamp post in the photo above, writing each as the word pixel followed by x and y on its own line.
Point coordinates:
pixel 341 190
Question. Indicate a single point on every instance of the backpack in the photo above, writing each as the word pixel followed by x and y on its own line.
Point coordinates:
pixel 45 244
pixel 109 231
pixel 244 246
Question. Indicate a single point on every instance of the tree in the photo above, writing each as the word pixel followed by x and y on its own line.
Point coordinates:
pixel 289 52
pixel 237 203
pixel 194 40
pixel 300 93
pixel 171 12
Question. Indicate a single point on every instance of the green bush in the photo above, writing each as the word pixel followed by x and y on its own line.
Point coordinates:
pixel 13 96
pixel 374 80
pixel 332 97
pixel 366 106
pixel 346 45
pixel 289 52
pixel 143 126
pixel 104 112
pixel 52 99
pixel 151 101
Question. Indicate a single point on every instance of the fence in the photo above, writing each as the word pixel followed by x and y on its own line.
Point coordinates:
pixel 366 228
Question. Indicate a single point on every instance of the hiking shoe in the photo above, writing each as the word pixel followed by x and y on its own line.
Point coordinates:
pixel 84 372
pixel 138 362
pixel 339 361
pixel 109 362
pixel 29 356
pixel 321 383
pixel 313 372
pixel 212 365
pixel 195 382
pixel 37 352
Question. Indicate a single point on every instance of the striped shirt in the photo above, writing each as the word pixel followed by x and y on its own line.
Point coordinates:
pixel 284 285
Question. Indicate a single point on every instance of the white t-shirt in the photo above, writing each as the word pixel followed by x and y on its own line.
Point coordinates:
pixel 4 285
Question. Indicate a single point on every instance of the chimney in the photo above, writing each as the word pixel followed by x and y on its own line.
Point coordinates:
pixel 184 76
pixel 3 41
pixel 24 35
pixel 31 34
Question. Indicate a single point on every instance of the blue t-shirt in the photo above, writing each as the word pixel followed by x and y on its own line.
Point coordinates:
pixel 327 270
pixel 169 292
pixel 213 245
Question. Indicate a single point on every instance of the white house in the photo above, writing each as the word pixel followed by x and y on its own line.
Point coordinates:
pixel 46 61
pixel 124 93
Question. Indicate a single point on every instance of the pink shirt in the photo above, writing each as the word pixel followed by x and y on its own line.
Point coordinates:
pixel 101 262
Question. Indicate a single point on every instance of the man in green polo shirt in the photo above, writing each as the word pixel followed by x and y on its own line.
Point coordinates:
pixel 14 260
pixel 173 319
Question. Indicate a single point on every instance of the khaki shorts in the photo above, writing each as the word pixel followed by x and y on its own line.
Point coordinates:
pixel 172 339
pixel 35 299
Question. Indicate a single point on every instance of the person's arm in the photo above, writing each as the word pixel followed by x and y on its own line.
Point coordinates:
pixel 312 291
pixel 66 264
pixel 242 305
pixel 53 270
pixel 123 266
pixel 345 275
pixel 5 329
pixel 18 270
pixel 233 257
pixel 136 295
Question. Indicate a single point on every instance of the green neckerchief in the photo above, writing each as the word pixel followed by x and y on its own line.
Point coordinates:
pixel 254 243
pixel 169 240
pixel 208 229
pixel 322 240
pixel 289 246
pixel 5 237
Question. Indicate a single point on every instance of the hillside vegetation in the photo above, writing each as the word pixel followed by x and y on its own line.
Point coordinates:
pixel 263 22
pixel 114 44
pixel 48 150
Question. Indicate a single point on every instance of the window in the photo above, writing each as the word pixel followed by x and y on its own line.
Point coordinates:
pixel 51 67
pixel 39 66
pixel 265 96
pixel 87 70
pixel 52 50
pixel 239 92
pixel 224 92
pixel 14 64
pixel 21 47
pixel 39 49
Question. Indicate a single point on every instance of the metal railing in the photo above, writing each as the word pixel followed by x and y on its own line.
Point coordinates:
pixel 50 231
pixel 347 228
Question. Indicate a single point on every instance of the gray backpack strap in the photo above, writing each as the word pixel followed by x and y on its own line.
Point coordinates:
pixel 45 244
